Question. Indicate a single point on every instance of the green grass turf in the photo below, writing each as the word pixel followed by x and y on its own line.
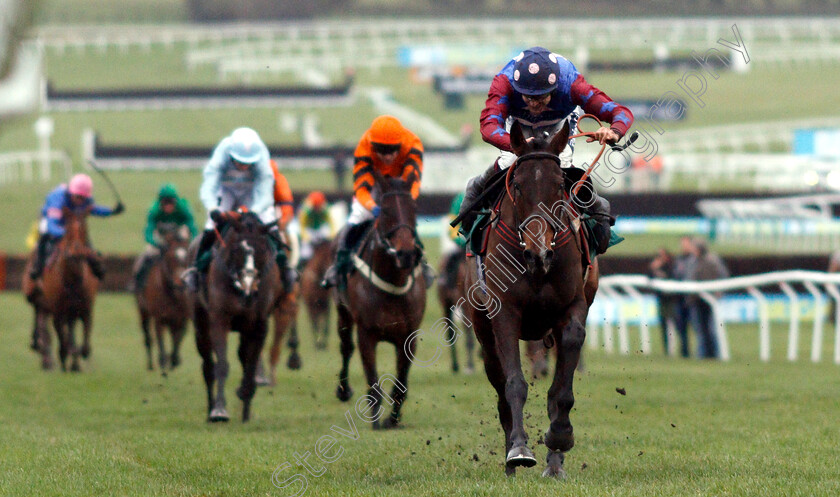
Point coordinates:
pixel 685 427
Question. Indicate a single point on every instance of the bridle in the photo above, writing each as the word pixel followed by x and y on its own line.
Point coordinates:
pixel 385 239
pixel 555 224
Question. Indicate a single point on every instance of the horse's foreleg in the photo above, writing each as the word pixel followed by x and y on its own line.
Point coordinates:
pixel 450 334
pixel 147 339
pixel 493 369
pixel 367 350
pixel 73 350
pixel 44 339
pixel 294 361
pixel 400 388
pixel 205 350
pixel 560 436
pixel 218 339
pixel 160 333
pixel 506 331
pixel 250 346
pixel 87 327
pixel 177 330
pixel 345 334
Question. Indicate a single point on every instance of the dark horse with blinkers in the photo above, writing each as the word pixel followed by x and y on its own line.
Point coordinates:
pixel 385 297
pixel 242 289
pixel 543 295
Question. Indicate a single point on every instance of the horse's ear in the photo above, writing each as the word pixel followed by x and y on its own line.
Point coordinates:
pixel 517 139
pixel 560 139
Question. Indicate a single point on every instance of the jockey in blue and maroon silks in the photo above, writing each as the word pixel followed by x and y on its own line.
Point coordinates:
pixel 542 91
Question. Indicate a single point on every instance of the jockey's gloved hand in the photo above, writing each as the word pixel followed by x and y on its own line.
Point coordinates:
pixel 118 209
pixel 375 211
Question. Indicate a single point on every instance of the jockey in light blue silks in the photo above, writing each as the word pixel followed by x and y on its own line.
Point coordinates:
pixel 238 174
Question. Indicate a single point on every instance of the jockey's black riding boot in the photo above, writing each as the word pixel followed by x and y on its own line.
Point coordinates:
pixel 347 239
pixel 600 212
pixel 40 257
pixel 287 274
pixel 201 262
pixel 475 187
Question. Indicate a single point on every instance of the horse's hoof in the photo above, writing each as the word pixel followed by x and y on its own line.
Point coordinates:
pixel 520 456
pixel 47 364
pixel 510 471
pixel 163 373
pixel 554 465
pixel 76 368
pixel 390 424
pixel 294 362
pixel 218 414
pixel 320 346
pixel 343 394
pixel 176 361
pixel 469 370
pixel 262 381
pixel 85 352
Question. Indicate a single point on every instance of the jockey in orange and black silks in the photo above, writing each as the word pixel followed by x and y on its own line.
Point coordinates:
pixel 391 150
pixel 542 91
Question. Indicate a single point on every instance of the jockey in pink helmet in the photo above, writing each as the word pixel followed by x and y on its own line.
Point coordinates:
pixel 77 195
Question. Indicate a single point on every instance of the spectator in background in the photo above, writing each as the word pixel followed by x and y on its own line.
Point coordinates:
pixel 706 266
pixel 662 267
pixel 679 272
pixel 340 169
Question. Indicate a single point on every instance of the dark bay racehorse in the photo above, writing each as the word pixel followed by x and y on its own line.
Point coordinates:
pixel 242 289
pixel 163 300
pixel 385 298
pixel 534 291
pixel 66 292
pixel 450 290
pixel 285 322
pixel 316 298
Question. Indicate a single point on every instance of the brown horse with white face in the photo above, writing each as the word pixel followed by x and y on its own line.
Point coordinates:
pixel 67 293
pixel 385 298
pixel 163 300
pixel 316 298
pixel 243 288
pixel 533 286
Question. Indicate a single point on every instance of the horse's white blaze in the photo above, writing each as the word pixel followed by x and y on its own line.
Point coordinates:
pixel 249 271
pixel 181 254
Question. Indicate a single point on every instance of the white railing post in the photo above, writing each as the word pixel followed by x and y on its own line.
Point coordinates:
pixel 831 288
pixel 793 334
pixel 817 338
pixel 764 323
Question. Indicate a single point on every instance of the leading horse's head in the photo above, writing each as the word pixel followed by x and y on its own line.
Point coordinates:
pixel 535 185
pixel 246 252
pixel 396 225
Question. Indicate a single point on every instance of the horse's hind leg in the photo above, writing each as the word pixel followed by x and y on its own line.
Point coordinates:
pixel 400 389
pixel 560 436
pixel 250 346
pixel 147 339
pixel 345 334
pixel 450 337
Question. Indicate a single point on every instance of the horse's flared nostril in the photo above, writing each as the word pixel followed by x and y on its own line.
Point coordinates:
pixel 528 255
pixel 549 254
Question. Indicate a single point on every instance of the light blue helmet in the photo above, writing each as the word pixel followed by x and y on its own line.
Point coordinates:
pixel 245 145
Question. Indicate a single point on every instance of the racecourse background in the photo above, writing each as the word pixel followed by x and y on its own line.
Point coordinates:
pixel 684 427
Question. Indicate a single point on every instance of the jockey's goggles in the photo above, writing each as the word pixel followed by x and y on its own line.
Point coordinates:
pixel 537 98
pixel 381 148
